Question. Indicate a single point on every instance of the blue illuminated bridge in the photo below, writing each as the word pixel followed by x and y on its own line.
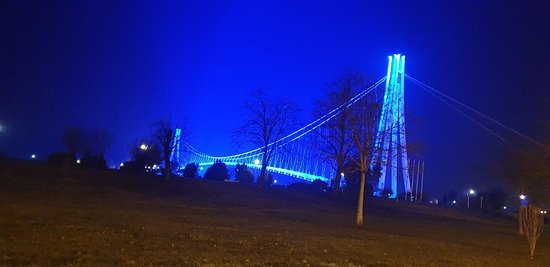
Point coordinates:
pixel 295 155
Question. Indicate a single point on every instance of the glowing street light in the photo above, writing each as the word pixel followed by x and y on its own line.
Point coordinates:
pixel 504 208
pixel 143 147
pixel 256 162
pixel 454 201
pixel 522 197
pixel 121 164
pixel 78 161
pixel 342 174
pixel 470 193
pixel 33 156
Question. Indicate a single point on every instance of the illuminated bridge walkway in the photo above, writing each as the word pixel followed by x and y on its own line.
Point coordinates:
pixel 295 153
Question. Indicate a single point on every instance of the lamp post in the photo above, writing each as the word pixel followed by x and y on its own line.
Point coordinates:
pixel 480 203
pixel 470 193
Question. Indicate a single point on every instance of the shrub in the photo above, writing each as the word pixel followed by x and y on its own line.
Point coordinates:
pixel 243 174
pixel 58 158
pixel 386 193
pixel 268 181
pixel 190 170
pixel 93 162
pixel 218 171
pixel 133 166
pixel 319 185
pixel 61 159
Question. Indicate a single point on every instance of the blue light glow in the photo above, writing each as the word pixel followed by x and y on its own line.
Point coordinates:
pixel 175 156
pixel 297 160
pixel 390 152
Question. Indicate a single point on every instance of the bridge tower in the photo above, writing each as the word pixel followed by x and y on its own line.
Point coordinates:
pixel 176 151
pixel 390 154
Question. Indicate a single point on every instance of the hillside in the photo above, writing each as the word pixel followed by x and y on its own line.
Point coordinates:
pixel 83 217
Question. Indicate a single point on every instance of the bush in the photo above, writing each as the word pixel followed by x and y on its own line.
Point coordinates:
pixel 58 158
pixel 268 181
pixel 93 162
pixel 243 174
pixel 386 193
pixel 319 185
pixel 190 170
pixel 316 187
pixel 300 186
pixel 133 166
pixel 218 171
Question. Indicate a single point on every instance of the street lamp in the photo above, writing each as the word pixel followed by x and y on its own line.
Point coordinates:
pixel 143 147
pixel 522 197
pixel 470 193
pixel 33 156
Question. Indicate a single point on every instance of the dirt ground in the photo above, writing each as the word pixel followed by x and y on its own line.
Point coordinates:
pixel 54 217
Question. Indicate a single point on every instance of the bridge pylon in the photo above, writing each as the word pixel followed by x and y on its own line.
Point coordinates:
pixel 390 153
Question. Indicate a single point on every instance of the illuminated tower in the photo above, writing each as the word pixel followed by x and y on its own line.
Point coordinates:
pixel 176 151
pixel 390 153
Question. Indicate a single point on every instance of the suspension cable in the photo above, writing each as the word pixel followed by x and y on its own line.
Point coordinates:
pixel 477 112
pixel 468 116
pixel 308 128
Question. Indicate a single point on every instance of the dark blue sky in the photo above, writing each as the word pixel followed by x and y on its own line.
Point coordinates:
pixel 124 65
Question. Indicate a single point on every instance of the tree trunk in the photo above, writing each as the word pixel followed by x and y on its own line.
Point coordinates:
pixel 167 166
pixel 336 181
pixel 336 185
pixel 361 200
pixel 521 211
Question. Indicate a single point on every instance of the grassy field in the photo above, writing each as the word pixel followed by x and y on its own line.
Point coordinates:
pixel 54 217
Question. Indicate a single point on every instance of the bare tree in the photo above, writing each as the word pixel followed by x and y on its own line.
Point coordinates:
pixel 364 133
pixel 332 141
pixel 165 135
pixel 96 142
pixel 529 172
pixel 533 221
pixel 267 122
pixel 73 139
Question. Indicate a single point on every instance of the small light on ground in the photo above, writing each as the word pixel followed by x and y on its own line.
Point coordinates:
pixel 78 161
pixel 472 191
pixel 342 174
pixel 274 181
pixel 504 207
pixel 33 156
pixel 454 201
pixel 522 196
pixel 122 164
pixel 143 147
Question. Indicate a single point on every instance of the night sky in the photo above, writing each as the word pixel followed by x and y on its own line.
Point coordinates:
pixel 122 66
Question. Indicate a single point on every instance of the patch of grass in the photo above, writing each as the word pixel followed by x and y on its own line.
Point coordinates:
pixel 81 217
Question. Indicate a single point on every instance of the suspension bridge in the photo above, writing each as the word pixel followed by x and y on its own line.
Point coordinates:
pixel 295 154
